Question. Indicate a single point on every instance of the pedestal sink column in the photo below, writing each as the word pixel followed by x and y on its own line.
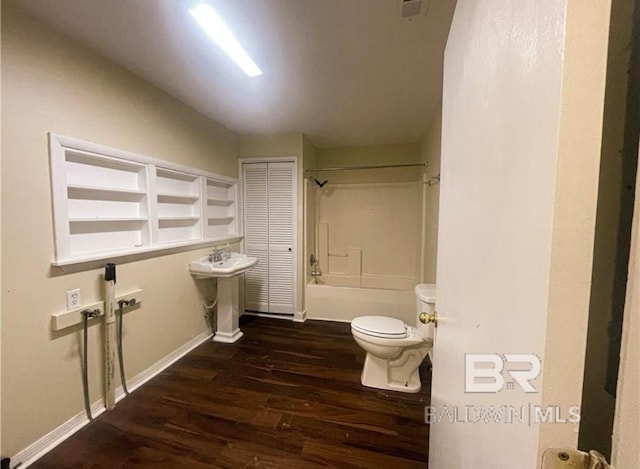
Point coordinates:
pixel 227 324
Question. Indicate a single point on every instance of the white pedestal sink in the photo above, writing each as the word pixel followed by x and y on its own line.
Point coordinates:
pixel 227 272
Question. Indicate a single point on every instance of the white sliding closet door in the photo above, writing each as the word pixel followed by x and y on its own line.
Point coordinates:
pixel 269 221
pixel 256 235
pixel 281 236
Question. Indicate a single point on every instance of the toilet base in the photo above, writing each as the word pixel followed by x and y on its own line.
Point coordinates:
pixel 380 373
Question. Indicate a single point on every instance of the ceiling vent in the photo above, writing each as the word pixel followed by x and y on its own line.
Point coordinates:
pixel 412 8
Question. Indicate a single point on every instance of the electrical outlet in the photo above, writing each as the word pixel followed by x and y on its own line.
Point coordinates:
pixel 74 300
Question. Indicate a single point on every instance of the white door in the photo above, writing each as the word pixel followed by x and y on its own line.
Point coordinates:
pixel 269 227
pixel 499 150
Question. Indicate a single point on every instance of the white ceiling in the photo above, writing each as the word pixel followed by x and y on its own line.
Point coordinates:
pixel 344 72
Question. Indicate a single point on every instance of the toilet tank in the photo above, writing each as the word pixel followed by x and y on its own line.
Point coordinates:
pixel 425 303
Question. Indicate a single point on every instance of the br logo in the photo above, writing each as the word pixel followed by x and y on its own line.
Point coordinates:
pixel 485 372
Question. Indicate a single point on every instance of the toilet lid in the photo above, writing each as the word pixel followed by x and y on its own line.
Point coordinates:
pixel 380 326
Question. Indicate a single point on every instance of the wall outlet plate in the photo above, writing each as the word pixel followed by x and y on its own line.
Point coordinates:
pixel 74 299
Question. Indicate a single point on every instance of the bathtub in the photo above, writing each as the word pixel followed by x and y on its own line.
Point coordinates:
pixel 334 303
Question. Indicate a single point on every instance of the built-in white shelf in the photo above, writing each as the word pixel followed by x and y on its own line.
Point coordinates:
pixel 178 219
pixel 109 202
pixel 176 175
pixel 219 202
pixel 98 160
pixel 178 198
pixel 220 221
pixel 108 220
pixel 103 193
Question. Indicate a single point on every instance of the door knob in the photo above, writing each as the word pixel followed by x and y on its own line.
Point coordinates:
pixel 426 318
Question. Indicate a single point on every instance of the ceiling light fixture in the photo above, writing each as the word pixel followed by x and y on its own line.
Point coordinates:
pixel 216 29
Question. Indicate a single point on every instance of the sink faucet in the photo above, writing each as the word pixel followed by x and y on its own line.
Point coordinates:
pixel 219 255
pixel 216 255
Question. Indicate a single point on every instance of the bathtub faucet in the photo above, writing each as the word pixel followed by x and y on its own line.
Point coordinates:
pixel 315 269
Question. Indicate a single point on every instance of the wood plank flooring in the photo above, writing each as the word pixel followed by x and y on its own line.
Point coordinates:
pixel 287 395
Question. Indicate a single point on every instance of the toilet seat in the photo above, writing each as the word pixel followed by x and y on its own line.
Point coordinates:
pixel 380 326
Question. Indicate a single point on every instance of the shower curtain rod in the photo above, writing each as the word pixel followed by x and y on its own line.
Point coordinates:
pixel 380 166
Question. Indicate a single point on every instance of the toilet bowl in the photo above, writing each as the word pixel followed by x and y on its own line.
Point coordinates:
pixel 394 349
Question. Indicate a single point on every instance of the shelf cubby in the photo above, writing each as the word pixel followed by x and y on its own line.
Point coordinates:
pixel 89 236
pixel 221 208
pixel 177 229
pixel 179 207
pixel 106 203
pixel 91 170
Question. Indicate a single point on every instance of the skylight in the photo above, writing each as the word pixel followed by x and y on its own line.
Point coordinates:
pixel 217 29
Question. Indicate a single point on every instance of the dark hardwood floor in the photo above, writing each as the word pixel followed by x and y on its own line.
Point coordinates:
pixel 287 395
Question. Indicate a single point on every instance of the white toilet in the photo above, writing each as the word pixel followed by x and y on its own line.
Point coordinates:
pixel 395 350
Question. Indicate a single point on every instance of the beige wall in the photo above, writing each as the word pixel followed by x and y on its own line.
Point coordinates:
pixel 370 155
pixel 254 146
pixel 574 211
pixel 53 84
pixel 430 151
pixel 309 153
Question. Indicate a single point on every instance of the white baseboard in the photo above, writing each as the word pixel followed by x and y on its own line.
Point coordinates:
pixel 320 318
pixel 300 316
pixel 36 450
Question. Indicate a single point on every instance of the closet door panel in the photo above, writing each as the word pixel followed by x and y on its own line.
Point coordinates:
pixel 256 213
pixel 281 237
pixel 281 209
pixel 256 235
pixel 281 265
pixel 256 292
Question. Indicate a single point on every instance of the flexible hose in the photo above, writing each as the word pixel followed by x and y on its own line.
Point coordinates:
pixel 119 344
pixel 209 307
pixel 85 379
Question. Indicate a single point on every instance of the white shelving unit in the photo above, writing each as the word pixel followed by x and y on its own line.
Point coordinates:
pixel 109 202
pixel 221 210
pixel 107 205
pixel 178 206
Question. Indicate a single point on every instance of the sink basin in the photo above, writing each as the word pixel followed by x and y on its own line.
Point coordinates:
pixel 235 265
